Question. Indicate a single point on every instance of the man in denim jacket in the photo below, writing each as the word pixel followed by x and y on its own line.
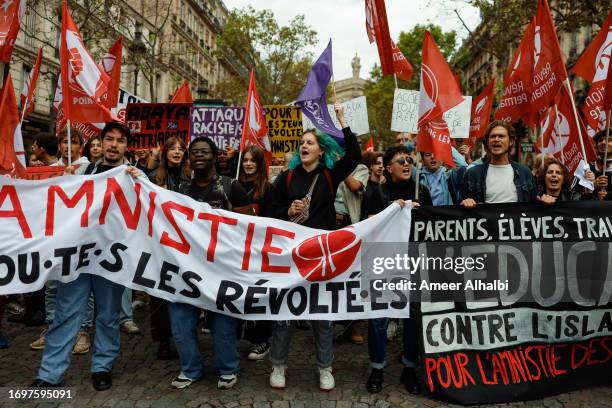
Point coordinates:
pixel 498 179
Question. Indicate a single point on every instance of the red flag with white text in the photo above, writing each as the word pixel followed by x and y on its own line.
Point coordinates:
pixel 11 15
pixel 12 153
pixel 548 66
pixel 111 65
pixel 83 83
pixel 515 101
pixel 593 66
pixel 481 111
pixel 254 127
pixel 182 94
pixel 28 93
pixel 439 92
pixel 401 66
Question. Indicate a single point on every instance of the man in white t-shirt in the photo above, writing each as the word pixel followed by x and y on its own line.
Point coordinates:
pixel 499 179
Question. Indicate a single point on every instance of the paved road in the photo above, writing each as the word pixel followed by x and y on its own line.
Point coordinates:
pixel 142 381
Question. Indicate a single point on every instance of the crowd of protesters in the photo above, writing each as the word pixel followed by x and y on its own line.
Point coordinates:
pixel 323 186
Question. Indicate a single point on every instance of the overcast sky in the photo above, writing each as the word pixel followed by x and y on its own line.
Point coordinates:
pixel 344 22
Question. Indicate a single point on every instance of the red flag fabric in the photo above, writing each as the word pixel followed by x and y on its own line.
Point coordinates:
pixel 392 60
pixel 514 103
pixel 561 133
pixel 83 83
pixel 12 153
pixel 548 65
pixel 439 92
pixel 182 94
pixel 28 92
pixel 481 111
pixel 380 27
pixel 608 99
pixel 111 65
pixel 370 144
pixel 11 15
pixel 593 66
pixel 254 127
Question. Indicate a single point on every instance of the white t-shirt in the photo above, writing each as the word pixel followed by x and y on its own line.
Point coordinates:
pixel 500 184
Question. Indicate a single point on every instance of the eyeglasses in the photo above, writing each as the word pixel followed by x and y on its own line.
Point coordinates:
pixel 401 161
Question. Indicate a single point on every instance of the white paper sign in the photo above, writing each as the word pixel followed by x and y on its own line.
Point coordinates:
pixel 405 115
pixel 355 112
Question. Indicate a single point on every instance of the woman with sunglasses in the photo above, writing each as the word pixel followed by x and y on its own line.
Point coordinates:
pixel 398 186
pixel 305 194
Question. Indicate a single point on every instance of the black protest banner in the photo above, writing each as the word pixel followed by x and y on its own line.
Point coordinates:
pixel 152 124
pixel 493 346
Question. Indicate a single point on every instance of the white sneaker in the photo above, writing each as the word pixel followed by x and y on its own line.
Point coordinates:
pixel 181 382
pixel 391 330
pixel 326 379
pixel 277 377
pixel 227 381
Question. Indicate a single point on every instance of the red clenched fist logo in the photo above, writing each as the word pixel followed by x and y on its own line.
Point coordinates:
pixel 76 63
pixel 326 256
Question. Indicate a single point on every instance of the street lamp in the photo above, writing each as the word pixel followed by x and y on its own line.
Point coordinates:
pixel 138 49
pixel 202 90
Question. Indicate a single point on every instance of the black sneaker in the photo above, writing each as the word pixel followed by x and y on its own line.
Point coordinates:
pixel 42 384
pixel 375 381
pixel 259 352
pixel 410 381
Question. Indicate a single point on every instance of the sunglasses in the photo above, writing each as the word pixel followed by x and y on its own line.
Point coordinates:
pixel 402 161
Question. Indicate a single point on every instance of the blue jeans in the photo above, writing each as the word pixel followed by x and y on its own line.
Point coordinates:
pixel 51 295
pixel 184 323
pixel 70 308
pixel 323 333
pixel 126 314
pixel 377 342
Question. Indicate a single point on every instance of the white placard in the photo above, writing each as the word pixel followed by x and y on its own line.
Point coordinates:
pixel 355 112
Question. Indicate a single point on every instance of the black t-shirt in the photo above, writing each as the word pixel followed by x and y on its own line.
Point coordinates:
pixel 101 168
pixel 389 192
pixel 370 191
pixel 261 204
pixel 216 196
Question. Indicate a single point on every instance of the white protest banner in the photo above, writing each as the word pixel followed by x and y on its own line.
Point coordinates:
pixel 355 112
pixel 405 115
pixel 147 238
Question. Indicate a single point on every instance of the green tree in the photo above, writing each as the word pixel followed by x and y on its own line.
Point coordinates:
pixel 380 89
pixel 276 52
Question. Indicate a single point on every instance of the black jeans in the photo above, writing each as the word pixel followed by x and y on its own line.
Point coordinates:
pixel 160 320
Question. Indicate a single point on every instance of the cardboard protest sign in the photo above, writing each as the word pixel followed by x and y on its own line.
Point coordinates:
pixel 355 112
pixel 405 115
pixel 284 128
pixel 223 124
pixel 152 124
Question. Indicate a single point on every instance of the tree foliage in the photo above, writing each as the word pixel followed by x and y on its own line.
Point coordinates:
pixel 277 53
pixel 380 89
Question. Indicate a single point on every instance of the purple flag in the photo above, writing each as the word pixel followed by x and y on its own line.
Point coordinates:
pixel 312 99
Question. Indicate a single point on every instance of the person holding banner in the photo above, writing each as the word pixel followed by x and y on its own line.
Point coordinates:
pixel 603 172
pixel 254 178
pixel 499 179
pixel 398 185
pixel 73 296
pixel 304 194
pixel 173 174
pixel 219 192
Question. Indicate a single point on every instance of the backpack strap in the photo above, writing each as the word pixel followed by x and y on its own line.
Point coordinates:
pixel 326 173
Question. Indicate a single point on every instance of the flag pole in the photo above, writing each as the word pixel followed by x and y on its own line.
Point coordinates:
pixel 69 144
pixel 24 108
pixel 395 78
pixel 239 163
pixel 334 88
pixel 569 91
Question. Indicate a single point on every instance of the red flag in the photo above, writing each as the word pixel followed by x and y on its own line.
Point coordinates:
pixel 182 94
pixel 370 144
pixel 83 83
pixel 561 133
pixel 376 13
pixel 593 66
pixel 28 92
pixel 514 103
pixel 439 92
pixel 548 65
pixel 401 66
pixel 608 100
pixel 12 154
pixel 254 127
pixel 111 65
pixel 481 111
pixel 11 14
